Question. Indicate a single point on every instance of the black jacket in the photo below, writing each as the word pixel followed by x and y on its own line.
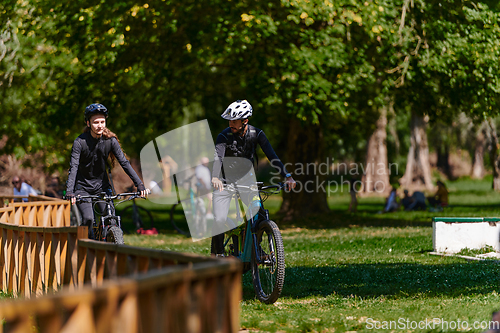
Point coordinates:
pixel 229 145
pixel 87 170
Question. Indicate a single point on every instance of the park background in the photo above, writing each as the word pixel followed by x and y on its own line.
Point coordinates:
pixel 413 83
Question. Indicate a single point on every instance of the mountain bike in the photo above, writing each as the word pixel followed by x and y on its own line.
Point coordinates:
pixel 109 227
pixel 257 243
pixel 194 208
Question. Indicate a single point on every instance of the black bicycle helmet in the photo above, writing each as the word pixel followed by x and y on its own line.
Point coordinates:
pixel 93 109
pixel 240 109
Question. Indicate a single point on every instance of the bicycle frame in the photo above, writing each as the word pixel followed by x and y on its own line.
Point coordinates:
pixel 257 241
pixel 111 214
pixel 110 218
pixel 245 247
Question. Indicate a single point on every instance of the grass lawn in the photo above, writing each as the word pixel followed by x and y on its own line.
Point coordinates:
pixel 367 271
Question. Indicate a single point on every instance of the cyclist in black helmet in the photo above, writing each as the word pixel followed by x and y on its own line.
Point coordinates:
pixel 87 173
pixel 239 140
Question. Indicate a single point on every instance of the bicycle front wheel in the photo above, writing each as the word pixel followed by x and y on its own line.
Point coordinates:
pixel 268 264
pixel 114 235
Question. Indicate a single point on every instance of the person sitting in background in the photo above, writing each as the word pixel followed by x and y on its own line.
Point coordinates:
pixel 391 204
pixel 440 198
pixel 21 188
pixel 407 200
pixel 53 189
pixel 415 202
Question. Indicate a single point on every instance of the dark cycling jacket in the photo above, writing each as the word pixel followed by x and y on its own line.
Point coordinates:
pixel 87 170
pixel 230 145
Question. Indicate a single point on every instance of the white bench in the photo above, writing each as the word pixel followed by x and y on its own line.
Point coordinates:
pixel 452 234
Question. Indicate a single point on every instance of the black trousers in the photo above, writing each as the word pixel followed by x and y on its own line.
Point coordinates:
pixel 86 209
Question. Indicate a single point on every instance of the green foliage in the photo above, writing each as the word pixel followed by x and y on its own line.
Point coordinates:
pixel 36 71
pixel 474 252
pixel 159 65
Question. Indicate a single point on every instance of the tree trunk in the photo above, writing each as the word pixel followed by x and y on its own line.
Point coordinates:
pixel 305 153
pixel 376 171
pixel 478 171
pixel 418 168
pixel 443 159
pixel 442 151
pixel 494 156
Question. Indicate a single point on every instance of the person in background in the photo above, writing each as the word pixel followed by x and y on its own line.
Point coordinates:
pixel 392 204
pixel 407 200
pixel 21 188
pixel 415 202
pixel 203 175
pixel 440 198
pixel 54 189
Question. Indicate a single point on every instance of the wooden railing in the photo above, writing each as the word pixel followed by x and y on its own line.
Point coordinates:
pixel 35 213
pixel 37 260
pixel 131 290
pixel 101 287
pixel 5 200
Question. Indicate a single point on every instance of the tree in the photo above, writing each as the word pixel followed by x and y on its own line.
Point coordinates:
pixel 418 167
pixel 478 170
pixel 461 58
pixel 376 178
pixel 35 69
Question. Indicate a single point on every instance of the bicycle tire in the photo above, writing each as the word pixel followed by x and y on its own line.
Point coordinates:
pixel 172 221
pixel 268 275
pixel 145 216
pixel 114 235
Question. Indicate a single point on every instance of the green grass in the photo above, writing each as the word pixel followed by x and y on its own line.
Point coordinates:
pixel 346 272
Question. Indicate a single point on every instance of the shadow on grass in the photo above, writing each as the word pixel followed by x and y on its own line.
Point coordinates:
pixel 341 219
pixel 338 217
pixel 388 280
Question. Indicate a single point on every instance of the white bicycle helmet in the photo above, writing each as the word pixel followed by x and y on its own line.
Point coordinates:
pixel 240 109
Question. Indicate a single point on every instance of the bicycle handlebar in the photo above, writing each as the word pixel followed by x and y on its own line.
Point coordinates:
pixel 104 196
pixel 259 186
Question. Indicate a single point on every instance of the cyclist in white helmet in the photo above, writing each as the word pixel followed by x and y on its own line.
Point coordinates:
pixel 240 139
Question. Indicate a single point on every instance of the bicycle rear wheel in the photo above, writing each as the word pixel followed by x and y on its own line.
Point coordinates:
pixel 114 235
pixel 176 227
pixel 268 265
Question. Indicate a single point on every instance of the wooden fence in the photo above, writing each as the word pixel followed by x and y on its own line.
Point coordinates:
pixel 37 260
pixel 5 200
pixel 39 211
pixel 99 287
